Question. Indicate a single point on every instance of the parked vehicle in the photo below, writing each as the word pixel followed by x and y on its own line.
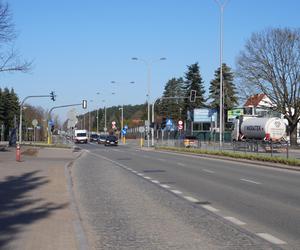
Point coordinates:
pixel 111 140
pixel 94 137
pixel 80 136
pixel 268 131
pixel 190 142
pixel 102 139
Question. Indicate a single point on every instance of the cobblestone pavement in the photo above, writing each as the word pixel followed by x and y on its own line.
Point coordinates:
pixel 123 211
pixel 35 211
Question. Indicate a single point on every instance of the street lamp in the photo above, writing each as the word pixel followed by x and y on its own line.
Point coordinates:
pixel 122 121
pixel 148 65
pixel 105 128
pixel 90 120
pixel 221 6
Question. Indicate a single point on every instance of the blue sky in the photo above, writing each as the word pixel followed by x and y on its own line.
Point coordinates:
pixel 79 47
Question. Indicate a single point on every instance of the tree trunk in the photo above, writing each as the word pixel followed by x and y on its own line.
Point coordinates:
pixel 293 134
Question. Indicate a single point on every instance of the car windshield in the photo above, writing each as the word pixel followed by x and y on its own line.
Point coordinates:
pixel 94 136
pixel 81 134
pixel 111 137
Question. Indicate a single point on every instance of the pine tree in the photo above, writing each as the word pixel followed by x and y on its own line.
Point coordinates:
pixel 229 90
pixel 193 81
pixel 171 108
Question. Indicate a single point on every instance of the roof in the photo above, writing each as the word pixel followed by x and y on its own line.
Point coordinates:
pixel 254 100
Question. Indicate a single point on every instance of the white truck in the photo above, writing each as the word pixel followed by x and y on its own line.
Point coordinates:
pixel 268 131
pixel 80 136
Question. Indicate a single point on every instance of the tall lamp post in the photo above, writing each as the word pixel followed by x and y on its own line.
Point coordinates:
pixel 148 64
pixel 90 120
pixel 222 7
pixel 122 122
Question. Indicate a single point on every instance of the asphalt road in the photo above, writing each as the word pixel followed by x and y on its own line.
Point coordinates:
pixel 248 198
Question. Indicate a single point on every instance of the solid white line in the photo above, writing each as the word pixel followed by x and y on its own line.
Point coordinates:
pixel 176 191
pixel 235 221
pixel 191 199
pixel 271 238
pixel 208 171
pixel 164 186
pixel 181 164
pixel 250 181
pixel 154 181
pixel 210 208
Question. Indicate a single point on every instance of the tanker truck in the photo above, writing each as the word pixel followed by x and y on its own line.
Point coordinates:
pixel 266 131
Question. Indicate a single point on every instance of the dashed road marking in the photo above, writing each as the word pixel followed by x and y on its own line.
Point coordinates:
pixel 176 191
pixel 146 177
pixel 235 221
pixel 208 171
pixel 155 181
pixel 191 199
pixel 250 181
pixel 164 186
pixel 133 171
pixel 271 238
pixel 140 174
pixel 210 208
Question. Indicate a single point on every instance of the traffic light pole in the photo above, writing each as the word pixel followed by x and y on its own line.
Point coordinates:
pixel 83 104
pixel 21 116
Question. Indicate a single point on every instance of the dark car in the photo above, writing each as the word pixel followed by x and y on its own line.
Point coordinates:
pixel 111 140
pixel 102 139
pixel 93 137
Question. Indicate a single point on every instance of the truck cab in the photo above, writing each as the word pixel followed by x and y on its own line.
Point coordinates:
pixel 80 136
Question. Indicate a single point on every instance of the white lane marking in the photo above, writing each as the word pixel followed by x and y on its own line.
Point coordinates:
pixel 250 181
pixel 164 186
pixel 208 171
pixel 154 181
pixel 181 164
pixel 271 238
pixel 130 169
pixel 210 208
pixel 235 221
pixel 140 174
pixel 146 177
pixel 191 199
pixel 133 171
pixel 176 191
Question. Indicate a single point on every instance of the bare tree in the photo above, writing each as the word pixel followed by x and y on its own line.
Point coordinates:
pixel 270 63
pixel 9 59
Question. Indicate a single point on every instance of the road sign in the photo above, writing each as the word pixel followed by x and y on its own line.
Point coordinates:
pixel 141 129
pixel 34 122
pixel 169 122
pixel 126 127
pixel 123 131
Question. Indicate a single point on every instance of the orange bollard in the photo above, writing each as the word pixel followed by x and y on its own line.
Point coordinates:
pixel 18 153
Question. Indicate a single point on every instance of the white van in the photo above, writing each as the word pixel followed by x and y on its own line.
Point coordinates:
pixel 80 136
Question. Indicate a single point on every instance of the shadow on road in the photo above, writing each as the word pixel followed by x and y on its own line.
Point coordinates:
pixel 17 207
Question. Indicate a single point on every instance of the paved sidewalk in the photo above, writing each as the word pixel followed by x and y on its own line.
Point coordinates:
pixel 35 205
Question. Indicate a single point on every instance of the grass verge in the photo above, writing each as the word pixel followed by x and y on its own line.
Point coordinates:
pixel 237 155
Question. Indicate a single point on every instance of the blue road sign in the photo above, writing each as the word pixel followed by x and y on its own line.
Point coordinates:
pixel 123 131
pixel 169 122
pixel 126 127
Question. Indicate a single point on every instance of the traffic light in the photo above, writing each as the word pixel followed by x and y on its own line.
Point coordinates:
pixel 52 95
pixel 193 95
